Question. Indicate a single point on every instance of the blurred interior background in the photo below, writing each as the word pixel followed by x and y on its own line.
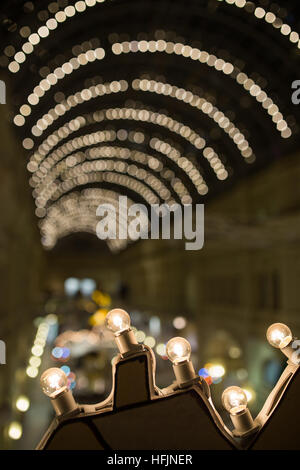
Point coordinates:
pixel 159 101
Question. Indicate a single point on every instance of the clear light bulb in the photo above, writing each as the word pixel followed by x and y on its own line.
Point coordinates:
pixel 117 320
pixel 279 335
pixel 178 350
pixel 234 400
pixel 53 382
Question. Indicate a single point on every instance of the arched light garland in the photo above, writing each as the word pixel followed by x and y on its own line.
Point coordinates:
pixel 76 212
pixel 103 177
pixel 200 103
pixel 107 152
pixel 208 153
pixel 116 114
pixel 166 89
pixel 75 222
pixel 41 170
pixel 52 78
pixel 135 114
pixel 46 29
pixel 269 18
pixel 118 166
pixel 77 98
pixel 80 6
pixel 211 60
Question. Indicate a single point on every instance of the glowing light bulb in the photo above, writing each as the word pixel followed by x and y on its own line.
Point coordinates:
pixel 279 335
pixel 117 320
pixel 178 350
pixel 234 400
pixel 53 382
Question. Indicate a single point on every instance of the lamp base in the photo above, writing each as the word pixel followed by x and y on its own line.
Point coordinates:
pixel 244 424
pixel 127 343
pixel 64 403
pixel 185 374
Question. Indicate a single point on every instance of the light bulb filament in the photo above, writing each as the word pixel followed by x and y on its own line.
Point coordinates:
pixel 178 350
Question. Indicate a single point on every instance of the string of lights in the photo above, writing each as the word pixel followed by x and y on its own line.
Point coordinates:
pixel 245 429
pixel 76 212
pixel 204 57
pixel 62 168
pixel 70 11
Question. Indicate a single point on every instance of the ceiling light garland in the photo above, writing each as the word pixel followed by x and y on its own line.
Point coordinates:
pixel 76 212
pixel 81 96
pixel 45 31
pixel 54 166
pixel 181 94
pixel 61 16
pixel 77 222
pixel 81 170
pixel 107 152
pixel 103 177
pixel 52 78
pixel 41 171
pixel 135 114
pixel 268 17
pixel 211 60
pixel 203 105
pixel 116 114
pixel 165 148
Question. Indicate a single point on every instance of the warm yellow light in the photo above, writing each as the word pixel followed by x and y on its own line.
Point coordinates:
pixel 22 403
pixel 179 323
pixel 15 430
pixel 216 370
pixel 53 382
pixel 140 336
pixel 161 349
pixel 98 318
pixel 37 350
pixel 234 400
pixel 51 319
pixel 250 394
pixel 234 352
pixel 117 320
pixel 35 361
pixel 279 335
pixel 32 372
pixel 101 299
pixel 178 350
pixel 150 341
